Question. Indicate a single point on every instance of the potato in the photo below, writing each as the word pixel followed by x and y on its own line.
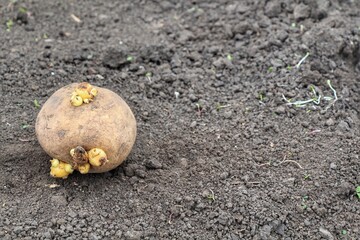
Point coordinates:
pixel 103 128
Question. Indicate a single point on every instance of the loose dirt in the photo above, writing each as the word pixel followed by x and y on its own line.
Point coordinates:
pixel 220 153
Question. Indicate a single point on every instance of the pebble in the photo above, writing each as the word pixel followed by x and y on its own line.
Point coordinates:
pixel 183 162
pixel 241 27
pixel 130 170
pixel 265 231
pixel 140 173
pixel 326 234
pixel 273 8
pixel 72 214
pixel 193 98
pixel 333 166
pixel 301 12
pixel 100 77
pixel 330 122
pixel 280 110
pixel 18 229
pixel 49 233
pixel 343 126
pixel 228 114
pixel 153 164
pixel 61 221
pixel 115 59
pixel 185 36
pixel 94 236
pixel 59 200
pixel 224 175
pixel 282 35
pixel 219 63
pixel 193 124
pixel 132 235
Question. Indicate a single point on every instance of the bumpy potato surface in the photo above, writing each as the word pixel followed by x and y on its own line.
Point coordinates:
pixel 107 123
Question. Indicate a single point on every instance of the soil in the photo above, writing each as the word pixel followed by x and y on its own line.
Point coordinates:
pixel 220 153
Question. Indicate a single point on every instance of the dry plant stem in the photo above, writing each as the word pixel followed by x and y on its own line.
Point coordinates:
pixel 263 164
pixel 212 194
pixel 292 161
pixel 335 95
pixel 302 60
pixel 170 218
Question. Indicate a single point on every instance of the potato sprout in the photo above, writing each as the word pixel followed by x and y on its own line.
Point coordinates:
pixel 84 93
pixel 60 169
pixel 97 157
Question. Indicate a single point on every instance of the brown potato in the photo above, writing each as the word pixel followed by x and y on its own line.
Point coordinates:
pixel 106 123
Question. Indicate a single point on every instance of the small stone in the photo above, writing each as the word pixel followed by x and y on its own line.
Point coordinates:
pixel 213 215
pixel 193 124
pixel 61 221
pixel 301 12
pixel 185 36
pixel 18 229
pixel 330 122
pixel 219 63
pixel 192 97
pixel 130 169
pixel 140 173
pixel 326 234
pixel 69 228
pixel 282 35
pixel 59 200
pixel 345 189
pixel 100 77
pixel 153 164
pixel 241 27
pixel 343 126
pixel 34 87
pixel 119 234
pixel 280 229
pixel 228 114
pixel 224 175
pixel 132 235
pixel 278 63
pixel 273 8
pixel 280 110
pixel 265 231
pixel 290 181
pixel 183 162
pixel 333 166
pixel 223 219
pixel 233 236
pixel 218 84
pixel 116 59
pixel 93 236
pixel 72 214
pixel 47 235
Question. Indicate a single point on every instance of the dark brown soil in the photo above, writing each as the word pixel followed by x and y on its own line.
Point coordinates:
pixel 219 152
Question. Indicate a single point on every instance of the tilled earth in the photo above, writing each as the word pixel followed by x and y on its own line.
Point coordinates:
pixel 225 147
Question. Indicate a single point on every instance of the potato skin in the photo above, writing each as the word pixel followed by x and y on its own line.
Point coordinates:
pixel 107 123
